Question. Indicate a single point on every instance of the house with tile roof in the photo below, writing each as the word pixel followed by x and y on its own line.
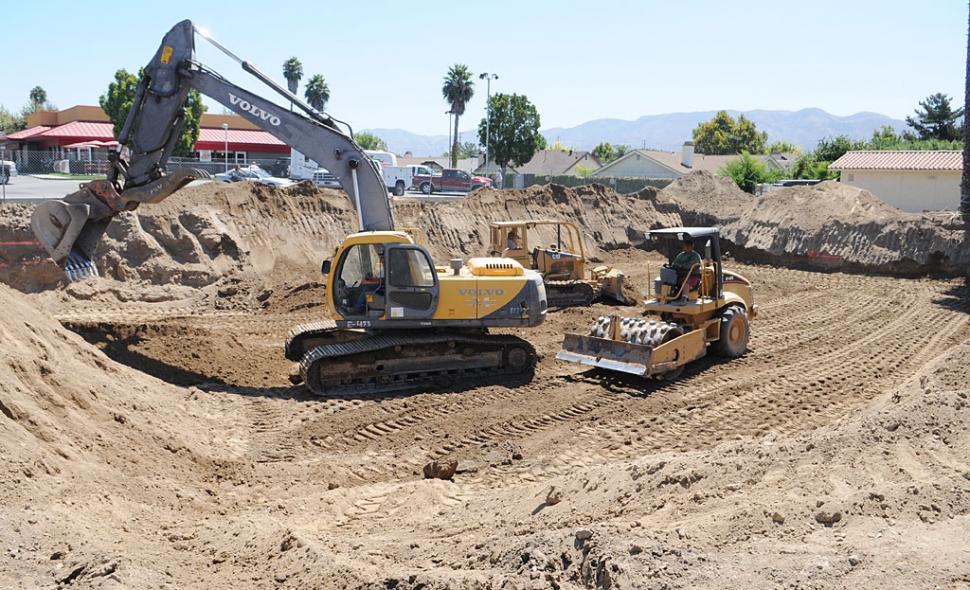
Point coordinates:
pixel 673 165
pixel 913 181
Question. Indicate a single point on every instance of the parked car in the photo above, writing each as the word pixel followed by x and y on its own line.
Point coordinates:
pixel 322 177
pixel 253 172
pixel 7 170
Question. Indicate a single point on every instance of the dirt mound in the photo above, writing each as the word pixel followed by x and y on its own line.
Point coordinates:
pixel 856 230
pixel 211 231
pixel 167 447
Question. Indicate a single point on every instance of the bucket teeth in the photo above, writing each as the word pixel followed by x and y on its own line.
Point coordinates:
pixel 79 268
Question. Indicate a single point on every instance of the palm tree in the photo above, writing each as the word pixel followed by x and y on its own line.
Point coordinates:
pixel 458 90
pixel 317 92
pixel 38 98
pixel 293 72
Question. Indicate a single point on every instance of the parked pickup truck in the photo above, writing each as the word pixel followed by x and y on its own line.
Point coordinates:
pixel 450 180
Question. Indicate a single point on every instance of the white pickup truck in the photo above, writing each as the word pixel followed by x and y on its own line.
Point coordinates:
pixel 401 178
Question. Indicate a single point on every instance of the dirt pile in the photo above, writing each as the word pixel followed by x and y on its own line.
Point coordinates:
pixel 208 232
pixel 166 448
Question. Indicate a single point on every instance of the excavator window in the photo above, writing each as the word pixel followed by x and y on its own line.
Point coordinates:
pixel 409 268
pixel 361 272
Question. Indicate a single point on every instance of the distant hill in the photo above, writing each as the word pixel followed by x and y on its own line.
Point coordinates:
pixel 669 132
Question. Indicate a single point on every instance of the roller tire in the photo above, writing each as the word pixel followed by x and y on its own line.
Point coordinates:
pixel 735 331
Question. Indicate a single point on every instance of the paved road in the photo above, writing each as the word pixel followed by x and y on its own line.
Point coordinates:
pixel 26 188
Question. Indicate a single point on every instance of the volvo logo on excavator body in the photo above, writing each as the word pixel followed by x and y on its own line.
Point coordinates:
pixel 481 292
pixel 245 105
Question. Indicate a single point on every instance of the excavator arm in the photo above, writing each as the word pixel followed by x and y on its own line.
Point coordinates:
pixel 70 229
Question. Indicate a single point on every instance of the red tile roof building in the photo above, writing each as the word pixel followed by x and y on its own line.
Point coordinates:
pixel 52 131
pixel 910 180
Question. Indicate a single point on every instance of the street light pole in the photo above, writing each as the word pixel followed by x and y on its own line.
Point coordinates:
pixel 488 111
pixel 225 130
pixel 450 144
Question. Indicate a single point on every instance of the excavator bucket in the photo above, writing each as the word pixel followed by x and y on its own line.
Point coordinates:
pixel 614 355
pixel 69 234
pixel 70 229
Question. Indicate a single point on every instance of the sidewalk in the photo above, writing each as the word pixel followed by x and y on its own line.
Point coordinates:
pixel 61 177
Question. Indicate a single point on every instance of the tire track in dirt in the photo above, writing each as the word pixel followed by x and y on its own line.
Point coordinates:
pixel 789 397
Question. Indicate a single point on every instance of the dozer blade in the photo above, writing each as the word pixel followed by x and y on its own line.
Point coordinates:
pixel 607 354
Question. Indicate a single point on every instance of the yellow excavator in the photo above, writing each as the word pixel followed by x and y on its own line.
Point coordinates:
pixel 396 321
pixel 562 264
pixel 685 317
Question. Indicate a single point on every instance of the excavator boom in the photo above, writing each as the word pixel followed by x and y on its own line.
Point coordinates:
pixel 70 229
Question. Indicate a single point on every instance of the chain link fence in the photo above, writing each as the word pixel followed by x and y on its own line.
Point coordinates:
pixel 97 163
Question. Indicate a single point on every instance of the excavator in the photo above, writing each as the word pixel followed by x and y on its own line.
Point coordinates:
pixel 395 320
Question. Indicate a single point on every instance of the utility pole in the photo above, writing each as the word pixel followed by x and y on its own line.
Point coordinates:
pixel 488 111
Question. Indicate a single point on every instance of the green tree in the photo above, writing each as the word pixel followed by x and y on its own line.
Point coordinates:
pixel 746 138
pixel 317 92
pixel 885 138
pixel 712 137
pixel 937 119
pixel 369 141
pixel 723 135
pixel 117 103
pixel 541 143
pixel 748 172
pixel 293 72
pixel 830 150
pixel 620 150
pixel 457 90
pixel 604 152
pixel 783 147
pixel 468 149
pixel 10 122
pixel 513 130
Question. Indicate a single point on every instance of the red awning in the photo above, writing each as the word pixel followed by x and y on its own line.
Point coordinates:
pixel 239 140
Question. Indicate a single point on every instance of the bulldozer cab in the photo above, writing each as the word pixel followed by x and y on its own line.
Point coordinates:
pixel 526 242
pixel 669 241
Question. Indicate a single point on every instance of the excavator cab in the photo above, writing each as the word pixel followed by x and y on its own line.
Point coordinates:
pixel 375 278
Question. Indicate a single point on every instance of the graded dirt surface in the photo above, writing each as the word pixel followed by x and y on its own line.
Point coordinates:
pixel 151 437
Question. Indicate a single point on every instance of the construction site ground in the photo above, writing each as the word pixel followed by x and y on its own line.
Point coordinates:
pixel 151 437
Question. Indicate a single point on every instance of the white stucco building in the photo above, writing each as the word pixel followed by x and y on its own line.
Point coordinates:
pixel 913 181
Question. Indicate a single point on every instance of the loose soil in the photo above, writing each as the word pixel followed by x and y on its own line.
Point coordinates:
pixel 151 437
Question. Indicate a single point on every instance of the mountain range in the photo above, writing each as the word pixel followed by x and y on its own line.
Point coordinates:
pixel 669 132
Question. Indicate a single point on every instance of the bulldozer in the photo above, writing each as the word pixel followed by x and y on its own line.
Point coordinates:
pixel 680 323
pixel 562 265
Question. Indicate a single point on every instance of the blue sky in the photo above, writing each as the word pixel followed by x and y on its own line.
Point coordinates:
pixel 575 61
